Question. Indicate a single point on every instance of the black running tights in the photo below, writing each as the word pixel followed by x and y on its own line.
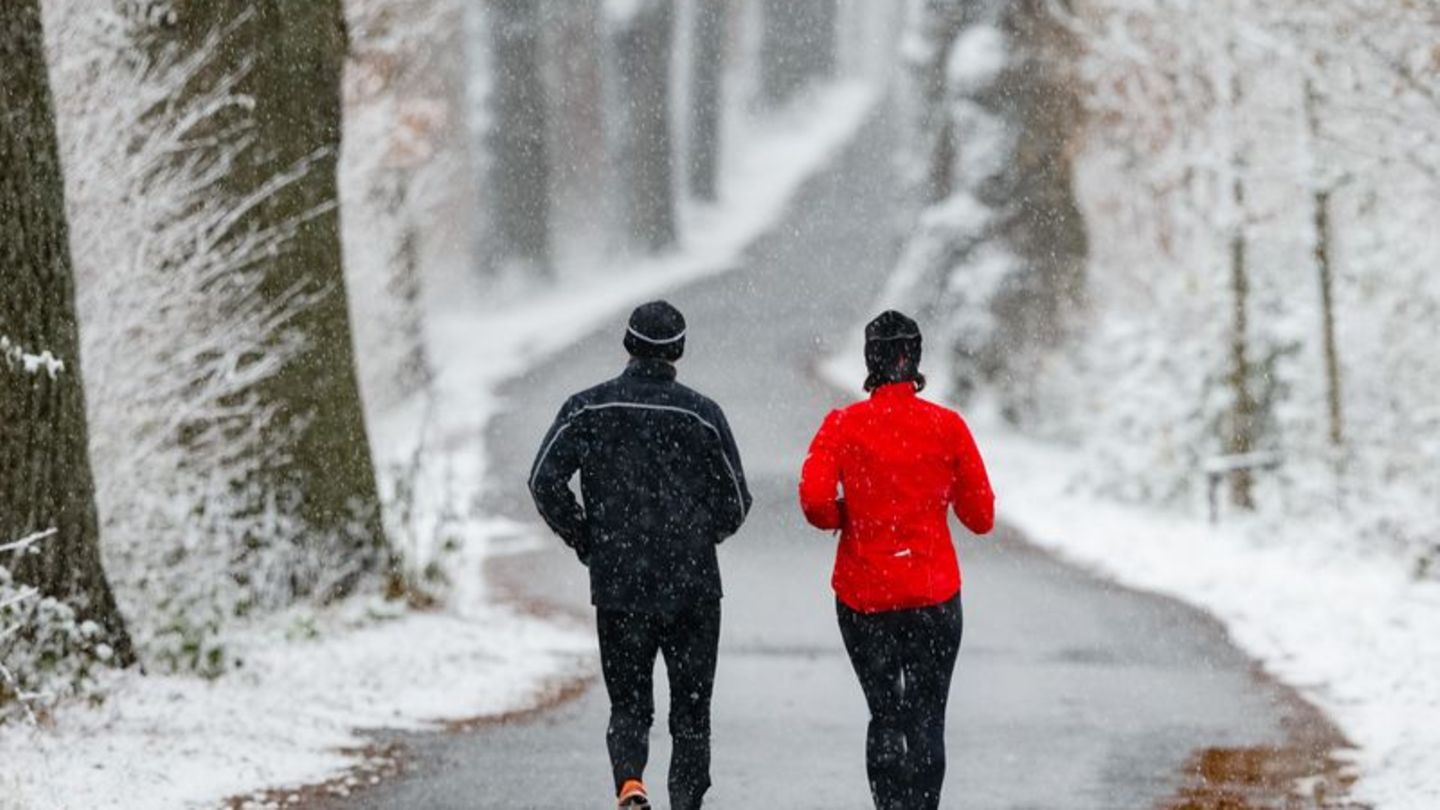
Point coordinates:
pixel 905 659
pixel 629 643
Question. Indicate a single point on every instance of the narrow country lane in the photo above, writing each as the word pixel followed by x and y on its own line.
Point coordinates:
pixel 1071 692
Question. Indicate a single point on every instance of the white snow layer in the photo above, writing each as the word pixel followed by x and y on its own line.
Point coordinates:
pixel 311 681
pixel 1358 636
pixel 978 57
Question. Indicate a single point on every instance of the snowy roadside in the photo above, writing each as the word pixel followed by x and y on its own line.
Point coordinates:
pixel 310 681
pixel 1357 636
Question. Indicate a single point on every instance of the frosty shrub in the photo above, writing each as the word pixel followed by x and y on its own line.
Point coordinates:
pixel 407 186
pixel 1259 194
pixel 46 654
pixel 176 335
pixel 406 183
pixel 994 261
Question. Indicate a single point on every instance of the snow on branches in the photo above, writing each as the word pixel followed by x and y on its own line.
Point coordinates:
pixel 177 331
pixel 1258 184
pixel 14 356
pixel 45 653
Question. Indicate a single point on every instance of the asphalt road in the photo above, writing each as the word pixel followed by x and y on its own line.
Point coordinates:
pixel 1070 693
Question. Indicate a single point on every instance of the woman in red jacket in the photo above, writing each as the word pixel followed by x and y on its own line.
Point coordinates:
pixel 884 472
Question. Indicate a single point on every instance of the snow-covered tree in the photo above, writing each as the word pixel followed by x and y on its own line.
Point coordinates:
pixel 1260 286
pixel 44 454
pixel 707 76
pixel 997 259
pixel 799 46
pixel 520 164
pixel 287 60
pixel 643 32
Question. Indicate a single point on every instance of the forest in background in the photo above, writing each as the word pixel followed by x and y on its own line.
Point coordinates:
pixel 1193 241
pixel 1189 240
pixel 238 213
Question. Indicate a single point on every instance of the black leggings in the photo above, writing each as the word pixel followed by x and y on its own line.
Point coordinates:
pixel 689 639
pixel 905 659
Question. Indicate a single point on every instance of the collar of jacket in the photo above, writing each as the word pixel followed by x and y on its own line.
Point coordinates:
pixel 897 390
pixel 650 368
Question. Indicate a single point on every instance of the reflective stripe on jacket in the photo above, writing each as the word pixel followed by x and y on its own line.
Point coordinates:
pixel 884 471
pixel 662 485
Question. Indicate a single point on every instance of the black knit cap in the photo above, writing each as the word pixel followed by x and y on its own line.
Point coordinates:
pixel 892 351
pixel 656 331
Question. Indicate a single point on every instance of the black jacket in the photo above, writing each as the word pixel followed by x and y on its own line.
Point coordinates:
pixel 661 482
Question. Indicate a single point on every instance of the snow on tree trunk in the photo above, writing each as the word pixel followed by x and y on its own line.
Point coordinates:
pixel 1320 205
pixel 643 46
pixel 45 476
pixel 289 59
pixel 1240 439
pixel 998 261
pixel 706 102
pixel 520 163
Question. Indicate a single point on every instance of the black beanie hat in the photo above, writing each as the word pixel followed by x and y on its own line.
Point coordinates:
pixel 656 331
pixel 892 351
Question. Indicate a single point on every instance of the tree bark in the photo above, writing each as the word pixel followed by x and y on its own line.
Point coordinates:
pixel 1244 408
pixel 1333 387
pixel 939 25
pixel 825 39
pixel 45 476
pixel 290 57
pixel 643 48
pixel 520 167
pixel 1330 347
pixel 798 46
pixel 706 86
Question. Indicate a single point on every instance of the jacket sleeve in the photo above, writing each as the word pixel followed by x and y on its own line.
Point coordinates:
pixel 970 493
pixel 558 460
pixel 736 498
pixel 820 477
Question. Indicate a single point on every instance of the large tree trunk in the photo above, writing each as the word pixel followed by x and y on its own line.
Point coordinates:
pixel 706 80
pixel 825 39
pixel 798 46
pixel 45 477
pixel 938 26
pixel 520 168
pixel 643 47
pixel 295 53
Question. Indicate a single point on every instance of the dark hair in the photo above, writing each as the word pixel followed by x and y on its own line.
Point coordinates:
pixel 892 351
pixel 873 381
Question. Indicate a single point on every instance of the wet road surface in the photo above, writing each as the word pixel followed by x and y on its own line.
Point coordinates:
pixel 1070 692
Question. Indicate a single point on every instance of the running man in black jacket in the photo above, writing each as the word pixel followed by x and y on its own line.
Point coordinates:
pixel 661 484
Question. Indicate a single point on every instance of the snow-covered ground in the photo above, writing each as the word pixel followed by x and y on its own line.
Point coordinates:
pixel 1357 636
pixel 311 681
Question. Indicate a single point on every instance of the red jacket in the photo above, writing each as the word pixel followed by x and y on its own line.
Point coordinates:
pixel 901 462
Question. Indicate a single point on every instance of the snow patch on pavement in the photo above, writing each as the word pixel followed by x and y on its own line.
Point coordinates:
pixel 308 681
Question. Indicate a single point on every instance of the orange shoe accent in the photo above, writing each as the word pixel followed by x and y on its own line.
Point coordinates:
pixel 633 795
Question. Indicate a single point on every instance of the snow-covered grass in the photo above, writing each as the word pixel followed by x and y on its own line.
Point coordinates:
pixel 310 679
pixel 1356 634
